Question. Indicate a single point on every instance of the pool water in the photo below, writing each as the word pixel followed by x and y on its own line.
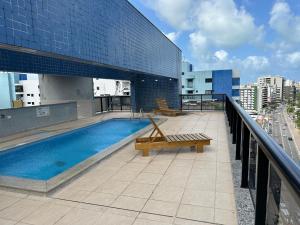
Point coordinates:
pixel 49 157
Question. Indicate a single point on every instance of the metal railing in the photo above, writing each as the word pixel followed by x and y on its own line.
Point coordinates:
pixel 112 103
pixel 202 102
pixel 272 177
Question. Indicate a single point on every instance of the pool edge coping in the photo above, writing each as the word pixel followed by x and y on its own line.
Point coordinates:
pixel 45 187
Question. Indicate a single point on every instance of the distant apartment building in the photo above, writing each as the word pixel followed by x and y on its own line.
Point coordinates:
pixel 248 97
pixel 289 91
pixel 19 87
pixel 111 87
pixel 270 91
pixel 210 81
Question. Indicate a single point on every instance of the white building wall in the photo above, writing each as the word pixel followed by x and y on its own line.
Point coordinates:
pixel 31 92
pixel 111 87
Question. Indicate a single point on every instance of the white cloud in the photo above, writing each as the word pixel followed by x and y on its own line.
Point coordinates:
pixel 256 63
pixel 285 22
pixel 173 36
pixel 221 22
pixel 221 55
pixel 294 59
pixel 176 13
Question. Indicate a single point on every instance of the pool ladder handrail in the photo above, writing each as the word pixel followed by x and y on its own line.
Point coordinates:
pixel 141 114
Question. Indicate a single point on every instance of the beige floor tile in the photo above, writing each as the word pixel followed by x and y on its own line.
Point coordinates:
pixel 20 209
pixel 47 214
pixel 225 217
pixel 7 201
pixel 156 168
pixel 7 222
pixel 161 208
pixel 148 178
pixel 115 219
pixel 225 186
pixel 168 194
pixel 139 190
pixel 196 213
pixel 71 194
pixel 203 184
pixel 100 198
pixel 113 187
pixel 131 203
pixel 122 212
pixel 200 198
pixel 79 216
pixel 157 218
pixel 179 221
pixel 125 176
pixel 225 201
pixel 173 180
pixel 149 222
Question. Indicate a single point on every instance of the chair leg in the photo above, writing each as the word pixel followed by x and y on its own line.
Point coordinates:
pixel 145 152
pixel 199 148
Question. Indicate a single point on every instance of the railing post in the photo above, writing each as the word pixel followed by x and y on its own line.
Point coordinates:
pixel 180 96
pixel 121 103
pixel 101 104
pixel 262 178
pixel 232 122
pixel 245 144
pixel 201 102
pixel 238 137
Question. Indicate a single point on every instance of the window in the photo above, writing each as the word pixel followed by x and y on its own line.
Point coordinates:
pixel 208 80
pixel 19 88
pixel 182 86
pixel 28 94
pixel 32 95
pixel 209 92
pixel 190 83
pixel 98 88
pixel 190 92
pixel 32 103
pixel 235 81
pixel 39 95
pixel 196 91
pixel 29 103
pixel 182 73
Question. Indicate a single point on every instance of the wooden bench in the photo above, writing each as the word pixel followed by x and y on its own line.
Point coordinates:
pixel 158 140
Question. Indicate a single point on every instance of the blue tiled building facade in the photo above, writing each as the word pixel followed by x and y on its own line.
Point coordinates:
pixel 93 38
pixel 210 82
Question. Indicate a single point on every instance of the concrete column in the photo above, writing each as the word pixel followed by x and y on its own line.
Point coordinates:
pixel 57 89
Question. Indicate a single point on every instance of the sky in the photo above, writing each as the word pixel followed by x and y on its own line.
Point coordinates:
pixel 256 37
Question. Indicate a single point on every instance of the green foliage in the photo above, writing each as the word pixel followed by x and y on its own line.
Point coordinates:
pixel 290 109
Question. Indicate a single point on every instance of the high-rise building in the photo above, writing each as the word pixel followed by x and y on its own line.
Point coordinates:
pixel 289 91
pixel 111 87
pixel 270 91
pixel 248 97
pixel 210 81
pixel 22 87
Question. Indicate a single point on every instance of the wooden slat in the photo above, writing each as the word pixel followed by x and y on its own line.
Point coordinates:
pixel 181 138
pixel 177 138
pixel 185 137
pixel 195 136
pixel 189 137
pixel 200 137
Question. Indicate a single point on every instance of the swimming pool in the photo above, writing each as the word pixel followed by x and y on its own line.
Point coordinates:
pixel 48 158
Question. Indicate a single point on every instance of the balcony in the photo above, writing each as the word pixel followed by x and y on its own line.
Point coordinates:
pixel 218 186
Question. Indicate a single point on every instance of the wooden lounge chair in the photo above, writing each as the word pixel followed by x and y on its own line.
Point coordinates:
pixel 164 109
pixel 159 140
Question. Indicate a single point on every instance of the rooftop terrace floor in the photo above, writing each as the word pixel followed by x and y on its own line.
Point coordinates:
pixel 179 187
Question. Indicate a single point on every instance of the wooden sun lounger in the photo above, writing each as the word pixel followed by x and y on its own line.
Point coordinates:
pixel 159 140
pixel 164 109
